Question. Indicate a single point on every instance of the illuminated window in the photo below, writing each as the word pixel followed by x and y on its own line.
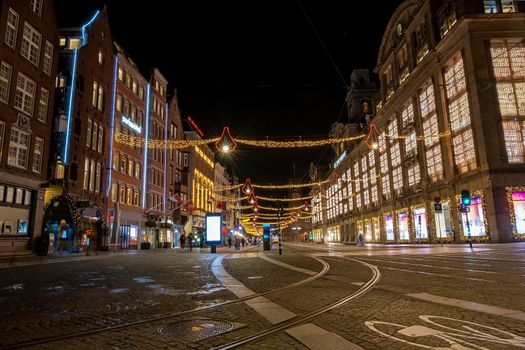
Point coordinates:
pixel 100 57
pixel 407 114
pixel 5 81
pixel 514 132
pixel 434 163
pixel 385 185
pixel 464 152
pixel 92 176
pixel 25 94
pixel 411 144
pixel 98 175
pixel 18 148
pixel 414 176
pixel 86 174
pixel 114 192
pixel 383 160
pixel 431 130
pixel 47 63
pixel 397 179
pixel 459 113
pixel 42 105
pixel 31 40
pixel 38 153
pixel 11 28
pixel 120 73
pixel 395 155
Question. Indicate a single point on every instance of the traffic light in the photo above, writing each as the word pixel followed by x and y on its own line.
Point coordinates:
pixel 465 197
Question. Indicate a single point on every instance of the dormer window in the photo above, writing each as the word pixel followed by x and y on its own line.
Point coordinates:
pixel 499 6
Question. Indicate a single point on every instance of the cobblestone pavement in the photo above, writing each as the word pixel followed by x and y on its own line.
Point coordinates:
pixel 407 309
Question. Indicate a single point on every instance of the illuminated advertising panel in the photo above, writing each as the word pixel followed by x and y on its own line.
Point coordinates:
pixel 213 228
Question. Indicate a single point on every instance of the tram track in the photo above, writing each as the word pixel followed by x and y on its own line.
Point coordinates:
pixel 91 332
pixel 366 287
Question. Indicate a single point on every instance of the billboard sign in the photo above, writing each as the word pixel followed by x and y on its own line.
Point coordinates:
pixel 213 228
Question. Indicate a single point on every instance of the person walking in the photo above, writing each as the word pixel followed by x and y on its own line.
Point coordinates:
pixel 229 241
pixel 190 240
pixel 201 240
pixel 182 241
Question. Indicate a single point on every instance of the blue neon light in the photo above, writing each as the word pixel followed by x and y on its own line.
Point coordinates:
pixel 70 106
pixel 146 137
pixel 112 128
pixel 165 156
pixel 84 39
pixel 72 89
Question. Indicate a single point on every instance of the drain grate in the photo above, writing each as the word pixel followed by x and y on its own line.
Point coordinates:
pixel 194 330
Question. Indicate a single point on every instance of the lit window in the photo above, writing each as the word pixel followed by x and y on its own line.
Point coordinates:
pixel 74 43
pixel 18 148
pixel 434 163
pixel 11 29
pixel 47 63
pixel 407 114
pixel 92 176
pixel 25 94
pixel 88 137
pixel 411 144
pixel 114 192
pixel 385 184
pixel 414 175
pixel 514 132
pixel 397 179
pixel 62 42
pixel 86 174
pixel 43 105
pixel 100 139
pixel 120 73
pixel 464 152
pixel 94 136
pixel 38 152
pixel 36 6
pixel 119 103
pixel 2 133
pixel 5 81
pixel 395 155
pixel 100 57
pixel 97 177
pixel 31 41
pixel 459 113
pixel 431 130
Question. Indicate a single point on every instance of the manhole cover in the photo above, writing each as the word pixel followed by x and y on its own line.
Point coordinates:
pixel 191 331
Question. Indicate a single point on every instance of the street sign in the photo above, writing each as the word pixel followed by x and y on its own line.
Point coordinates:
pixel 438 207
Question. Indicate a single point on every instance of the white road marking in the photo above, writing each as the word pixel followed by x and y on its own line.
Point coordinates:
pixel 469 305
pixel 287 266
pixel 269 310
pixel 317 338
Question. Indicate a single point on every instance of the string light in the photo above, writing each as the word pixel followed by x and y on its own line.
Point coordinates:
pixel 247 187
pixel 300 143
pixel 284 199
pixel 226 143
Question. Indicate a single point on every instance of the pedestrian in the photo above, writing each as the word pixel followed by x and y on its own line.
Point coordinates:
pixel 190 239
pixel 229 241
pixel 201 240
pixel 361 240
pixel 182 241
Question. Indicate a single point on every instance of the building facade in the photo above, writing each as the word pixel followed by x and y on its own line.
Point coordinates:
pixel 201 176
pixel 449 117
pixel 76 200
pixel 28 59
pixel 126 210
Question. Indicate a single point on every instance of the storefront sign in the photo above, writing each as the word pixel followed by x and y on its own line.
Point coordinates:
pixel 213 228
pixel 135 127
pixel 340 159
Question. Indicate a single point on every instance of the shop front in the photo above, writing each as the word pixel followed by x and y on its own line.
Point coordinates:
pixel 333 234
pixel 420 223
pixel 516 201
pixel 389 228
pixel 403 225
pixel 15 219
pixel 317 235
pixel 443 221
pixel 475 219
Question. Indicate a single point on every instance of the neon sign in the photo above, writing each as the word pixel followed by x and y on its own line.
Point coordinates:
pixel 340 159
pixel 195 126
pixel 133 126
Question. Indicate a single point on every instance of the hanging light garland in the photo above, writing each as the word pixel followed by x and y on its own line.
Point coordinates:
pixel 284 199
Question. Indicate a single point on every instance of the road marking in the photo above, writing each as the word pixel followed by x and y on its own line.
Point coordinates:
pixel 436 274
pixel 269 310
pixel 431 266
pixel 243 255
pixel 317 338
pixel 469 305
pixel 287 266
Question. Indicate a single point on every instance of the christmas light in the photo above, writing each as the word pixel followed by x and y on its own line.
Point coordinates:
pixel 226 143
pixel 283 199
pixel 247 188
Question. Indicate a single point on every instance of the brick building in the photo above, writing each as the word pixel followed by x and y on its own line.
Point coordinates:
pixel 449 117
pixel 76 197
pixel 28 58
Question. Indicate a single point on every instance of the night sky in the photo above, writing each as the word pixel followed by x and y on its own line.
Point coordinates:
pixel 256 66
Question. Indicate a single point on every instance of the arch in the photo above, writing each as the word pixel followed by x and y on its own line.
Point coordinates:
pixel 408 7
